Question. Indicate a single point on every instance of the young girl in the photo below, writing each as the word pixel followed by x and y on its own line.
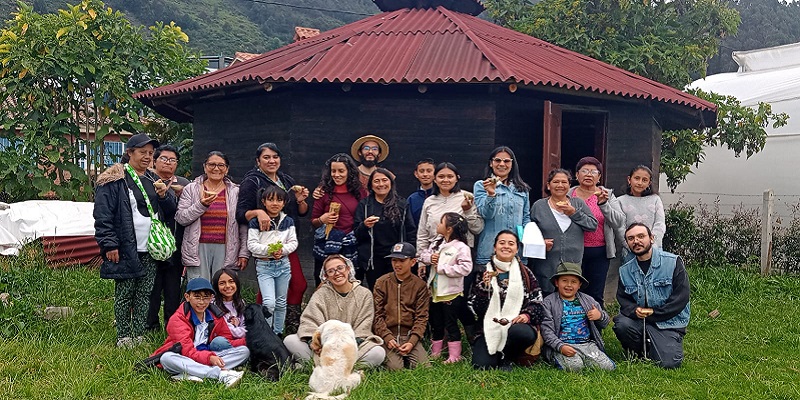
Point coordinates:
pixel 450 261
pixel 641 204
pixel 271 248
pixel 229 299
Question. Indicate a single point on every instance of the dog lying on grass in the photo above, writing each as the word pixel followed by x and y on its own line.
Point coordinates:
pixel 335 343
pixel 268 355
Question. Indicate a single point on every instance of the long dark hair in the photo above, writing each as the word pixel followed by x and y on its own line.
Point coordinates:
pixel 649 190
pixel 391 209
pixel 353 183
pixel 513 175
pixel 459 225
pixel 238 303
pixel 550 176
pixel 452 167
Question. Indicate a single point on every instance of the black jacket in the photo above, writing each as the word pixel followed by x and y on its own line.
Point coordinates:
pixel 113 221
pixel 253 181
pixel 386 234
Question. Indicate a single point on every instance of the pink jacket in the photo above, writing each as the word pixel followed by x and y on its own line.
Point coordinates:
pixel 455 262
pixel 189 212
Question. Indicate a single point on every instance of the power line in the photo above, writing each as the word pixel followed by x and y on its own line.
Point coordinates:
pixel 308 8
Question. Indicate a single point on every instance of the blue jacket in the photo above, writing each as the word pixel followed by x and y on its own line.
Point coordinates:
pixel 655 289
pixel 415 202
pixel 508 209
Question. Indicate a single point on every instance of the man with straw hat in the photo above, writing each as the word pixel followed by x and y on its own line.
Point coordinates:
pixel 653 297
pixel 369 151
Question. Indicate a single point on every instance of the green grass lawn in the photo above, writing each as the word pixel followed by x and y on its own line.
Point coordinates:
pixel 752 350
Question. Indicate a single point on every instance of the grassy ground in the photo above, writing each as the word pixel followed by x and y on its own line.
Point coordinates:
pixel 750 351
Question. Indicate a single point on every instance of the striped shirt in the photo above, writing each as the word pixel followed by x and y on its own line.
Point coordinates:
pixel 213 222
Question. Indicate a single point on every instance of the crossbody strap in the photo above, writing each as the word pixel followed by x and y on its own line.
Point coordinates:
pixel 138 182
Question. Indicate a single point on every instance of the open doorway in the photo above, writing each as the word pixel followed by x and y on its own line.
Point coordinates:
pixel 582 134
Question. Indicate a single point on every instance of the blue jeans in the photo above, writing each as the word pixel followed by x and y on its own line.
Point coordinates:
pixel 273 281
pixel 219 343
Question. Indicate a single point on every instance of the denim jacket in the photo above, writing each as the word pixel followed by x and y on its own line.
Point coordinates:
pixel 508 209
pixel 653 289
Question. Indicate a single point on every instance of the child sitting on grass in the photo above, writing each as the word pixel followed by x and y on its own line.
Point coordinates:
pixel 271 248
pixel 402 300
pixel 572 323
pixel 229 300
pixel 195 326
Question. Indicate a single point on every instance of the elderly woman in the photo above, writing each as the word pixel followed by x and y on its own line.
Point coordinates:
pixel 382 219
pixel 502 199
pixel 267 173
pixel 508 303
pixel 599 246
pixel 125 194
pixel 213 240
pixel 340 297
pixel 562 220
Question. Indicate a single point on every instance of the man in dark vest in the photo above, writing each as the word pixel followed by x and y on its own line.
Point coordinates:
pixel 653 296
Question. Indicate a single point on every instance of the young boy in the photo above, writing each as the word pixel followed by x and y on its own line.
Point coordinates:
pixel 195 325
pixel 401 310
pixel 424 174
pixel 271 248
pixel 572 323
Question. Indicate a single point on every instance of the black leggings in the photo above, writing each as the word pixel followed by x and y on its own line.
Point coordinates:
pixel 595 268
pixel 520 336
pixel 445 316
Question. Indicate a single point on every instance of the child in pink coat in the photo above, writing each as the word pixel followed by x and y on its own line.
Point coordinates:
pixel 450 261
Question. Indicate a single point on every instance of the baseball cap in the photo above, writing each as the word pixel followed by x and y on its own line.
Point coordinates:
pixel 198 284
pixel 403 250
pixel 140 140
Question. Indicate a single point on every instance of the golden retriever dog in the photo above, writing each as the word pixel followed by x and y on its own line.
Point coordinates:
pixel 335 343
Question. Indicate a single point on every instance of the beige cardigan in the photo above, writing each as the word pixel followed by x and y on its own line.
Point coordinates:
pixel 356 308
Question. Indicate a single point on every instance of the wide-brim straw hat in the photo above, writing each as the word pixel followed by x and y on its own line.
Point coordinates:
pixel 354 149
pixel 568 268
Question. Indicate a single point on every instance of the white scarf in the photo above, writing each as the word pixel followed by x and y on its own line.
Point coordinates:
pixel 494 333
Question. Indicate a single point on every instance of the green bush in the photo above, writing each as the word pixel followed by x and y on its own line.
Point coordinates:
pixel 702 235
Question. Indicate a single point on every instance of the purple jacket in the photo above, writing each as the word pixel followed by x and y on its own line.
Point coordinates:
pixel 189 212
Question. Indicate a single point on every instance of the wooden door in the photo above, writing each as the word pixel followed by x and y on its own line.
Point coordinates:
pixel 551 157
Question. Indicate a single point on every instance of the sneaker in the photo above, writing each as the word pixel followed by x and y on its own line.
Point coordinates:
pixel 230 377
pixel 139 340
pixel 187 377
pixel 125 343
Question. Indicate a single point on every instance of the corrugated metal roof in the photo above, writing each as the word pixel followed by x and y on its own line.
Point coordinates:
pixel 61 251
pixel 430 46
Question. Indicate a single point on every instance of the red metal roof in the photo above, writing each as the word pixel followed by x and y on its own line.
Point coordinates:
pixel 433 45
pixel 63 251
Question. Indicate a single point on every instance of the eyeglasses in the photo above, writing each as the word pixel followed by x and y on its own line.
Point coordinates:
pixel 371 148
pixel 331 271
pixel 216 166
pixel 502 160
pixel 168 160
pixel 590 172
pixel 203 297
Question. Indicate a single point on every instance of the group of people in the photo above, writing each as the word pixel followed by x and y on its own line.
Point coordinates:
pixel 393 267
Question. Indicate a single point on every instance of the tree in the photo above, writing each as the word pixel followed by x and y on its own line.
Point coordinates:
pixel 68 77
pixel 667 41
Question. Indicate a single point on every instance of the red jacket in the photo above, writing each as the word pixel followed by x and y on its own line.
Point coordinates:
pixel 181 329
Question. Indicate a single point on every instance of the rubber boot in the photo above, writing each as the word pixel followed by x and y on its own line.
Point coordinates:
pixel 436 348
pixel 454 348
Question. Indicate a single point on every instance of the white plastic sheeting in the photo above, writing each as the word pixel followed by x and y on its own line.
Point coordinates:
pixel 770 75
pixel 28 220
